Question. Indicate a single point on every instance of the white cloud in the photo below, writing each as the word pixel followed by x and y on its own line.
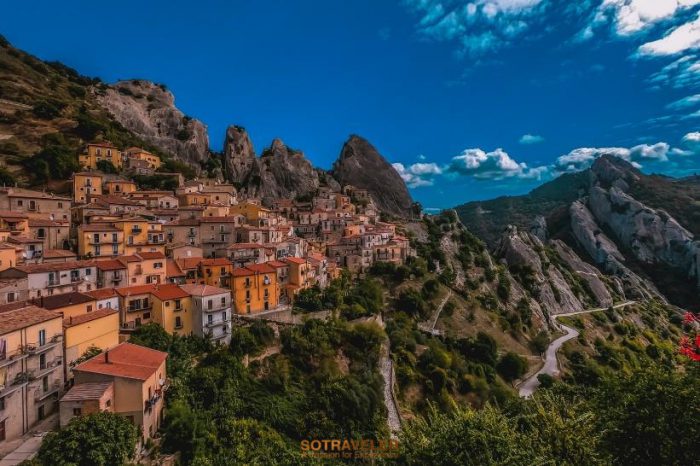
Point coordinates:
pixel 631 17
pixel 685 102
pixel 477 26
pixel 583 157
pixel 421 157
pixel 679 74
pixel 418 174
pixel 691 141
pixel 531 139
pixel 495 165
pixel 681 39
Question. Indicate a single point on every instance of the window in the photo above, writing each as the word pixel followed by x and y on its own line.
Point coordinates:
pixel 41 233
pixel 89 307
pixel 178 322
pixel 223 300
pixel 223 316
pixel 146 315
pixel 42 337
pixel 210 318
pixel 178 304
pixel 108 403
pixel 19 203
pixel 45 383
pixel 77 411
pixel 42 361
pixel 11 297
pixel 60 205
pixel 2 429
pixel 210 304
pixel 88 271
pixel 158 265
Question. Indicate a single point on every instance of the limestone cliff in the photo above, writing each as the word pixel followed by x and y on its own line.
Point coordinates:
pixel 148 110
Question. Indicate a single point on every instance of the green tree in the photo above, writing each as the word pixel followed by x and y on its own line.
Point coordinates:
pixel 105 166
pixel 104 439
pixel 309 300
pixel 511 366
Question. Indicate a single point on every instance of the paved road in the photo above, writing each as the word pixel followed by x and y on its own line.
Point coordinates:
pixel 551 364
pixel 26 451
pixel 386 367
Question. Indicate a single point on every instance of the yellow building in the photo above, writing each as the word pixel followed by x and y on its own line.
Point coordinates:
pixel 99 329
pixel 141 235
pixel 193 199
pixel 251 211
pixel 100 151
pixel 31 367
pixel 300 274
pixel 71 304
pixel 100 240
pixel 86 184
pixel 172 309
pixel 139 154
pixel 118 187
pixel 212 272
pixel 8 256
pixel 254 289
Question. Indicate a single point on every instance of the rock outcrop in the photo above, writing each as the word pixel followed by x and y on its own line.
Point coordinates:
pixel 361 166
pixel 279 172
pixel 524 255
pixel 148 110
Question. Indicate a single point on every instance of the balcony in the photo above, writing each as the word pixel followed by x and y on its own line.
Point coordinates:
pixel 155 241
pixel 216 323
pixel 136 230
pixel 36 348
pixel 219 308
pixel 47 369
pixel 11 358
pixel 139 309
pixel 53 389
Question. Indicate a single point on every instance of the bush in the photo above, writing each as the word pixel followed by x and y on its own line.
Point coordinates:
pixel 105 166
pixel 431 288
pixel 308 300
pixel 412 302
pixel 48 109
pixel 104 438
pixel 511 366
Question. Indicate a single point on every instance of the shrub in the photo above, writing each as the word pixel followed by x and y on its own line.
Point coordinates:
pixel 511 366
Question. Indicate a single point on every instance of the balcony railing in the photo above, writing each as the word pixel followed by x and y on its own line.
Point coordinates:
pixel 216 323
pixel 140 308
pixel 34 348
pixel 218 308
pixel 54 388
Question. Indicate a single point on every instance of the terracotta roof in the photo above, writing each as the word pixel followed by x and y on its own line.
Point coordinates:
pixel 203 290
pixel 41 222
pixel 97 227
pixel 25 316
pixel 172 269
pixel 87 391
pixel 102 293
pixel 110 264
pixel 261 268
pixel 295 260
pixel 150 255
pixel 19 192
pixel 23 240
pixel 53 267
pixel 244 246
pixel 89 317
pixel 242 272
pixel 56 253
pixel 103 144
pixel 218 219
pixel 125 360
pixel 12 214
pixel 135 290
pixel 216 261
pixel 58 301
pixel 184 222
pixel 165 292
pixel 277 264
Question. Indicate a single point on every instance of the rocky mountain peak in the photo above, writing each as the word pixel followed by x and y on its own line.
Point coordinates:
pixel 610 170
pixel 362 166
pixel 239 154
pixel 148 110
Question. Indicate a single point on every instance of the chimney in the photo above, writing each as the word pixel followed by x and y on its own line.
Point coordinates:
pixel 107 357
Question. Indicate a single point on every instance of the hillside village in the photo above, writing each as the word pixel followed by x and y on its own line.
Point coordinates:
pixel 83 272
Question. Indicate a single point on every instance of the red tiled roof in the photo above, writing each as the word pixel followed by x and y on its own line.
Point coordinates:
pixel 56 253
pixel 277 264
pixel 295 260
pixel 89 317
pixel 244 246
pixel 242 272
pixel 110 264
pixel 261 268
pixel 58 301
pixel 172 269
pixel 150 255
pixel 125 360
pixel 203 290
pixel 53 267
pixel 165 292
pixel 96 227
pixel 134 290
pixel 102 293
pixel 24 316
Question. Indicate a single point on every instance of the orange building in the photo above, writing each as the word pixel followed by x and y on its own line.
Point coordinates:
pixel 255 289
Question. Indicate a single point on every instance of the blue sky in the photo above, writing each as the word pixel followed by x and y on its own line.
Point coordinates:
pixel 471 99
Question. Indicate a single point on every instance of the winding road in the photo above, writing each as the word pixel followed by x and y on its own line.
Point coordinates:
pixel 551 363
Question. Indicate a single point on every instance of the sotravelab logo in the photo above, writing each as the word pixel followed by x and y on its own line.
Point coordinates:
pixel 350 448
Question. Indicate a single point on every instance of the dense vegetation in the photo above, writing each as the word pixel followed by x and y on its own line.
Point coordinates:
pixel 323 383
pixel 648 417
